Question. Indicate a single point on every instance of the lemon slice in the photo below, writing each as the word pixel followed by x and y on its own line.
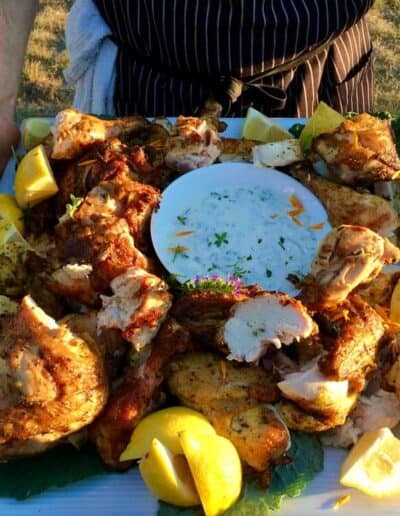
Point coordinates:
pixel 324 120
pixel 34 131
pixel 165 425
pixel 168 476
pixel 216 469
pixel 395 304
pixel 34 180
pixel 11 212
pixel 258 126
pixel 373 464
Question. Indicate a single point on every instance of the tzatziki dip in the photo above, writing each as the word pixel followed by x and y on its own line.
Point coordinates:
pixel 255 233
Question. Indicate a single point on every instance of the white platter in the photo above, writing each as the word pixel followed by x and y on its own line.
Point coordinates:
pixel 126 495
pixel 248 207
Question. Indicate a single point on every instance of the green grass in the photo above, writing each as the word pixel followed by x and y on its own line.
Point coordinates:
pixel 44 92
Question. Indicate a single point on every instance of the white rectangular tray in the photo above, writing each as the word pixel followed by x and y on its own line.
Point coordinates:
pixel 126 495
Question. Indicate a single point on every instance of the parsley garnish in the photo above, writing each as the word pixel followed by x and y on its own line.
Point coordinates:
pixel 221 238
pixel 268 273
pixel 181 219
pixel 281 242
pixel 73 205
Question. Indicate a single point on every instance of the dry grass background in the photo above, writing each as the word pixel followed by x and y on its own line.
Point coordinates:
pixel 43 90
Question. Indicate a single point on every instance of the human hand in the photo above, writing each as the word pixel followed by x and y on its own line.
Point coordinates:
pixel 9 137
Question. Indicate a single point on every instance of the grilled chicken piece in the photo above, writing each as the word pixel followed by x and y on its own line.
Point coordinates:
pixel 267 319
pixel 136 395
pixel 72 281
pixel 203 312
pixel 121 198
pixel 297 418
pixel 139 304
pixel 392 377
pixel 234 398
pixel 379 291
pixel 347 206
pixel 237 149
pixel 362 150
pixel 113 347
pixel 194 143
pixel 321 396
pixel 52 382
pixel 75 131
pixel 347 257
pixel 353 344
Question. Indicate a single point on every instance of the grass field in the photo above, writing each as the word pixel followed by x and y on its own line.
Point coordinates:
pixel 43 90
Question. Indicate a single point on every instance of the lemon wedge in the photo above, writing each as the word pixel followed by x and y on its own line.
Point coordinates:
pixel 324 120
pixel 11 212
pixel 260 127
pixel 34 131
pixel 373 464
pixel 168 476
pixel 34 180
pixel 165 425
pixel 216 469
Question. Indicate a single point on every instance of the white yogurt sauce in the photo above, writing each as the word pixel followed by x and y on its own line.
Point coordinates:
pixel 247 233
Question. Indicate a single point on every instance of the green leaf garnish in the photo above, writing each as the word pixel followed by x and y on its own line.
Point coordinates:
pixel 58 467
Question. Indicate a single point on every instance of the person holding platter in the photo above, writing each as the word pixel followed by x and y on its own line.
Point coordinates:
pixel 167 57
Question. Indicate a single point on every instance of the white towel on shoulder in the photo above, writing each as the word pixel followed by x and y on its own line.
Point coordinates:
pixel 92 57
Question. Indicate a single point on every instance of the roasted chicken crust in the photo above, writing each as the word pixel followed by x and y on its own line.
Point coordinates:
pixel 352 353
pixel 136 395
pixel 348 256
pixel 234 398
pixel 75 131
pixel 202 313
pixel 362 150
pixel 348 206
pixel 53 383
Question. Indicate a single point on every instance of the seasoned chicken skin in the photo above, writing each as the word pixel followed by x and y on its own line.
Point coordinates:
pixel 362 150
pixel 347 257
pixel 267 319
pixel 136 394
pixel 139 304
pixel 75 131
pixel 347 206
pixel 52 382
pixel 235 399
pixel 194 143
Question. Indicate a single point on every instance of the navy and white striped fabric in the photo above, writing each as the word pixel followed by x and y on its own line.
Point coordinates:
pixel 287 54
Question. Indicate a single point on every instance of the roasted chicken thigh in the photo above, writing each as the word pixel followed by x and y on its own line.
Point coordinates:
pixel 362 150
pixel 52 382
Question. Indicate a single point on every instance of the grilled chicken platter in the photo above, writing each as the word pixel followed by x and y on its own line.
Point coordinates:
pixel 102 336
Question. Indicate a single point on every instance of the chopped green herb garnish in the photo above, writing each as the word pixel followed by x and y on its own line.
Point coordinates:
pixel 268 273
pixel 282 242
pixel 220 238
pixel 73 205
pixel 181 219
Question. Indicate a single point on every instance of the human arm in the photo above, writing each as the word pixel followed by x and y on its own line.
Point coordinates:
pixel 16 19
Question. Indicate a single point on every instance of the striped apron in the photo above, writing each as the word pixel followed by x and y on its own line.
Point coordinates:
pixel 279 56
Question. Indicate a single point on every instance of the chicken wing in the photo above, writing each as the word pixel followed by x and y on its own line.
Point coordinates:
pixel 347 206
pixel 75 131
pixel 52 382
pixel 235 400
pixel 362 150
pixel 136 395
pixel 347 257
